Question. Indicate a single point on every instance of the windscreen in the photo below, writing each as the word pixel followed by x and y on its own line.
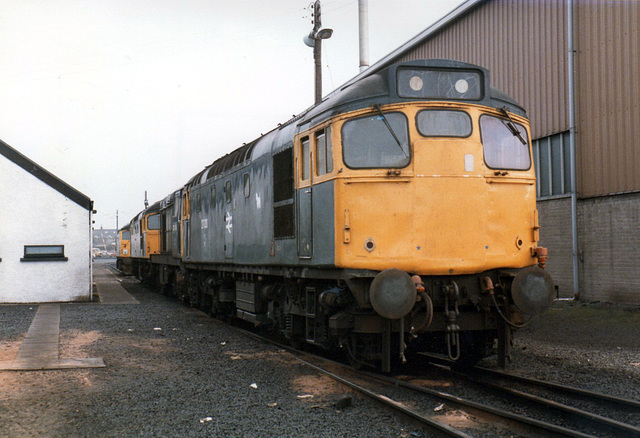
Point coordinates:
pixel 377 140
pixel 443 123
pixel 505 143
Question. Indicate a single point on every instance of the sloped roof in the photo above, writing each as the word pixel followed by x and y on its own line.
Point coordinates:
pixel 45 176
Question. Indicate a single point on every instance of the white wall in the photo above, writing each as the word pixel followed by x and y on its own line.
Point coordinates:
pixel 33 213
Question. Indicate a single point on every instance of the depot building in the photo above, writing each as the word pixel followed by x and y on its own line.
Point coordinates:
pixel 573 66
pixel 45 234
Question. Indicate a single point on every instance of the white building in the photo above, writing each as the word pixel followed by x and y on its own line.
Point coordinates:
pixel 45 234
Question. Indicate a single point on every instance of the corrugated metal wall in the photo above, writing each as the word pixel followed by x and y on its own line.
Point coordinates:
pixel 608 96
pixel 523 44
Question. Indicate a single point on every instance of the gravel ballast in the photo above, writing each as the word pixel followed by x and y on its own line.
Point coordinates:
pixel 174 372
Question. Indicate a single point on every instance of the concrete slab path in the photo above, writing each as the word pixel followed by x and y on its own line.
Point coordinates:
pixel 40 348
pixel 109 289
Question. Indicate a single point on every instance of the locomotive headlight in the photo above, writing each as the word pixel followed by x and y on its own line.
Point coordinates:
pixel 532 290
pixel 392 293
pixel 462 86
pixel 416 83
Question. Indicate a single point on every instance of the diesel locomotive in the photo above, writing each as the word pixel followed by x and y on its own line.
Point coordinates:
pixel 398 215
pixel 123 250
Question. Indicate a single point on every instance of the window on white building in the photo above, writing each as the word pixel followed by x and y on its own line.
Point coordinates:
pixel 43 253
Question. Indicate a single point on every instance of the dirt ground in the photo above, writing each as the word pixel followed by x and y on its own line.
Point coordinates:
pixel 174 372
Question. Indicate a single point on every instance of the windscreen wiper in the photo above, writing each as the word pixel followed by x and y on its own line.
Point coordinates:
pixel 395 137
pixel 511 126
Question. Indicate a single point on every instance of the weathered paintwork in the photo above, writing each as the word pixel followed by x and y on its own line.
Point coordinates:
pixel 446 213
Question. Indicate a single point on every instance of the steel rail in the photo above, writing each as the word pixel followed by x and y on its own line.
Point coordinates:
pixel 623 427
pixel 564 388
pixel 628 429
pixel 615 424
pixel 550 427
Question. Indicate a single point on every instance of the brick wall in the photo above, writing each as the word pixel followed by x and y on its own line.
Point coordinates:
pixel 555 235
pixel 609 246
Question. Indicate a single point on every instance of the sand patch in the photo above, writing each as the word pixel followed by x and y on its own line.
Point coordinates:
pixel 77 344
pixel 318 386
pixel 8 350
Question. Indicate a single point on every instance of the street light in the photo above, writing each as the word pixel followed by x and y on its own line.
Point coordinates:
pixel 314 39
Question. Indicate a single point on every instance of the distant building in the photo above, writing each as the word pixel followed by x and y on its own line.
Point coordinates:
pixel 104 239
pixel 45 234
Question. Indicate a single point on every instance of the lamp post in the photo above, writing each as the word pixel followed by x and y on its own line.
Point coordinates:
pixel 314 39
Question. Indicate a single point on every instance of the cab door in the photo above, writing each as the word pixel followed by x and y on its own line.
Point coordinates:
pixel 304 204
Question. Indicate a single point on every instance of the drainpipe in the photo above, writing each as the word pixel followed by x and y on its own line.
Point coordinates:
pixel 572 146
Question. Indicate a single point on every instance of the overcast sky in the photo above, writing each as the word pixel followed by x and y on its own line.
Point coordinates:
pixel 116 97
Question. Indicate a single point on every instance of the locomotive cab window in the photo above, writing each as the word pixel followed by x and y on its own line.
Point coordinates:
pixel 377 140
pixel 324 157
pixel 153 222
pixel 443 123
pixel 304 159
pixel 126 235
pixel 213 196
pixel 505 144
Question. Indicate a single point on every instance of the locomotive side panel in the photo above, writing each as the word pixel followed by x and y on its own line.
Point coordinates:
pixel 201 226
pixel 253 214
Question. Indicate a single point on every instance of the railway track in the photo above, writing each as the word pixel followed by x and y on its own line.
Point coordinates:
pixel 606 413
pixel 577 392
pixel 451 414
